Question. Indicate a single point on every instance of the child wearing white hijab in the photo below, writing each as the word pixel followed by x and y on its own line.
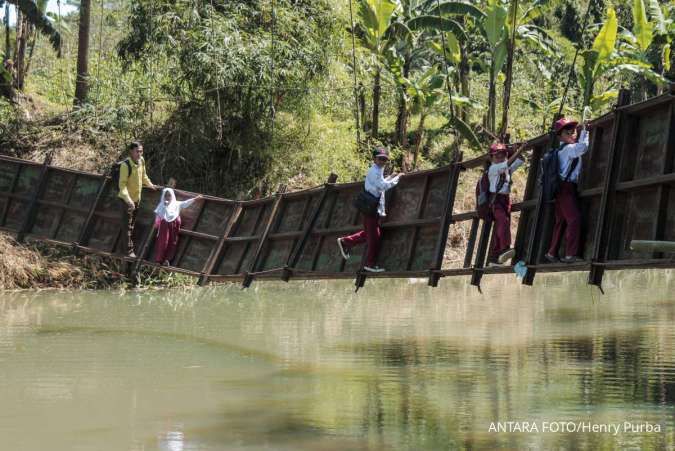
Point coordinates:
pixel 167 221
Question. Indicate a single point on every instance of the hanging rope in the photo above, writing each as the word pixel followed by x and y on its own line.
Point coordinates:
pixel 58 12
pixel 356 89
pixel 218 87
pixel 272 91
pixel 574 60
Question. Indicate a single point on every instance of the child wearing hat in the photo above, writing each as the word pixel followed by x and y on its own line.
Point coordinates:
pixel 567 214
pixel 375 184
pixel 499 174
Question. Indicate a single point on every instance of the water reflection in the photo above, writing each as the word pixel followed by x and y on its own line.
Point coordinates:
pixel 315 366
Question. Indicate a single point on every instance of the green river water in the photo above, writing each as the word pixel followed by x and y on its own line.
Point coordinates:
pixel 314 366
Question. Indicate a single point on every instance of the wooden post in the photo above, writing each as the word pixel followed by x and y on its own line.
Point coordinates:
pixel 446 219
pixel 300 247
pixel 210 263
pixel 15 180
pixel 27 224
pixel 665 192
pixel 248 278
pixel 532 177
pixel 62 213
pixel 473 233
pixel 83 239
pixel 483 242
pixel 542 217
pixel 611 176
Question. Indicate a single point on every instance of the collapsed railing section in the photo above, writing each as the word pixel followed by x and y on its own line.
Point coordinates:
pixel 286 235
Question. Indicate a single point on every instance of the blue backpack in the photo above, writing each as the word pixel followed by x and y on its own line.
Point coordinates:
pixel 550 173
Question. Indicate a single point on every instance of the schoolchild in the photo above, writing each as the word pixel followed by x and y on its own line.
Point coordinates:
pixel 375 186
pixel 567 214
pixel 168 222
pixel 499 174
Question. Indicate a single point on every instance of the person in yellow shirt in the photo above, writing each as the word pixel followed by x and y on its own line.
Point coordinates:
pixel 132 180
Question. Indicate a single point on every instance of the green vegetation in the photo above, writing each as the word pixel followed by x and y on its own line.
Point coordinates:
pixel 235 98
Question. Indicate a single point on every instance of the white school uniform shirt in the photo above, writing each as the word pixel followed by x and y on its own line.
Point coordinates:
pixel 377 184
pixel 496 169
pixel 571 151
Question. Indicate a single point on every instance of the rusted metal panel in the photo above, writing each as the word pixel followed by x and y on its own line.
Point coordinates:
pixel 294 215
pixel 239 250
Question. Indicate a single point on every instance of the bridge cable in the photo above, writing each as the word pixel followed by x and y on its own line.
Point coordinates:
pixel 218 87
pixel 574 60
pixel 355 67
pixel 445 62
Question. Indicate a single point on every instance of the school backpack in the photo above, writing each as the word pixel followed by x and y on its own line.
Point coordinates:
pixel 550 170
pixel 115 172
pixel 483 197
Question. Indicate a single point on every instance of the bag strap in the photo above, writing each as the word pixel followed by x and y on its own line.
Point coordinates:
pixel 573 166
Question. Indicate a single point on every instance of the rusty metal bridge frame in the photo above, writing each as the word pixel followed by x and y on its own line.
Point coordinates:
pixel 627 192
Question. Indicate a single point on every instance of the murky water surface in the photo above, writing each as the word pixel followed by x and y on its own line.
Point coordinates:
pixel 312 365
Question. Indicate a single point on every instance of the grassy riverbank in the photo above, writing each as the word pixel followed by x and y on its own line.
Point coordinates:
pixel 39 266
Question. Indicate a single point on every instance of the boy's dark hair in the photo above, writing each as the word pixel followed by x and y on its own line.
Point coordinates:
pixel 134 145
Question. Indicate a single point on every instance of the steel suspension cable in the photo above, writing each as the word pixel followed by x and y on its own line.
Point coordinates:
pixel 218 88
pixel 574 60
pixel 356 92
pixel 272 91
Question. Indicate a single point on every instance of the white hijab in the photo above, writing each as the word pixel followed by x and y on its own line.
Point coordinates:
pixel 168 211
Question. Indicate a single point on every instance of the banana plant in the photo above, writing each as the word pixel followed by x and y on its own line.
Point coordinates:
pixel 597 60
pixel 605 60
pixel 496 33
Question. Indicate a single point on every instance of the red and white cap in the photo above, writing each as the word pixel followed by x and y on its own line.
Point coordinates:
pixel 564 123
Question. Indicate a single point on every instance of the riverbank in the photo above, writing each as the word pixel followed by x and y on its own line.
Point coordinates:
pixel 39 266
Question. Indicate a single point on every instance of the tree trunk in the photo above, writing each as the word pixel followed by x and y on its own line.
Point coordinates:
pixel 8 47
pixel 21 39
pixel 82 80
pixel 376 103
pixel 464 84
pixel 508 81
pixel 492 101
pixel 362 107
pixel 419 138
pixel 402 116
pixel 33 40
pixel 402 121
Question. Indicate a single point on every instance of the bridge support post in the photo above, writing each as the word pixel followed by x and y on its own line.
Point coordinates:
pixel 481 251
pixel 446 219
pixel 293 259
pixel 27 224
pixel 607 201
pixel 248 277
pixel 85 233
pixel 212 260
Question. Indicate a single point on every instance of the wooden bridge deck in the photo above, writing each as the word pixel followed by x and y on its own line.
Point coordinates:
pixel 627 192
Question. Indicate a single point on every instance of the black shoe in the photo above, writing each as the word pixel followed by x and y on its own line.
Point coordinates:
pixel 570 259
pixel 551 258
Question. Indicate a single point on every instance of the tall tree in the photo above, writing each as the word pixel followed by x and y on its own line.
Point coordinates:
pixel 8 48
pixel 82 80
pixel 29 17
